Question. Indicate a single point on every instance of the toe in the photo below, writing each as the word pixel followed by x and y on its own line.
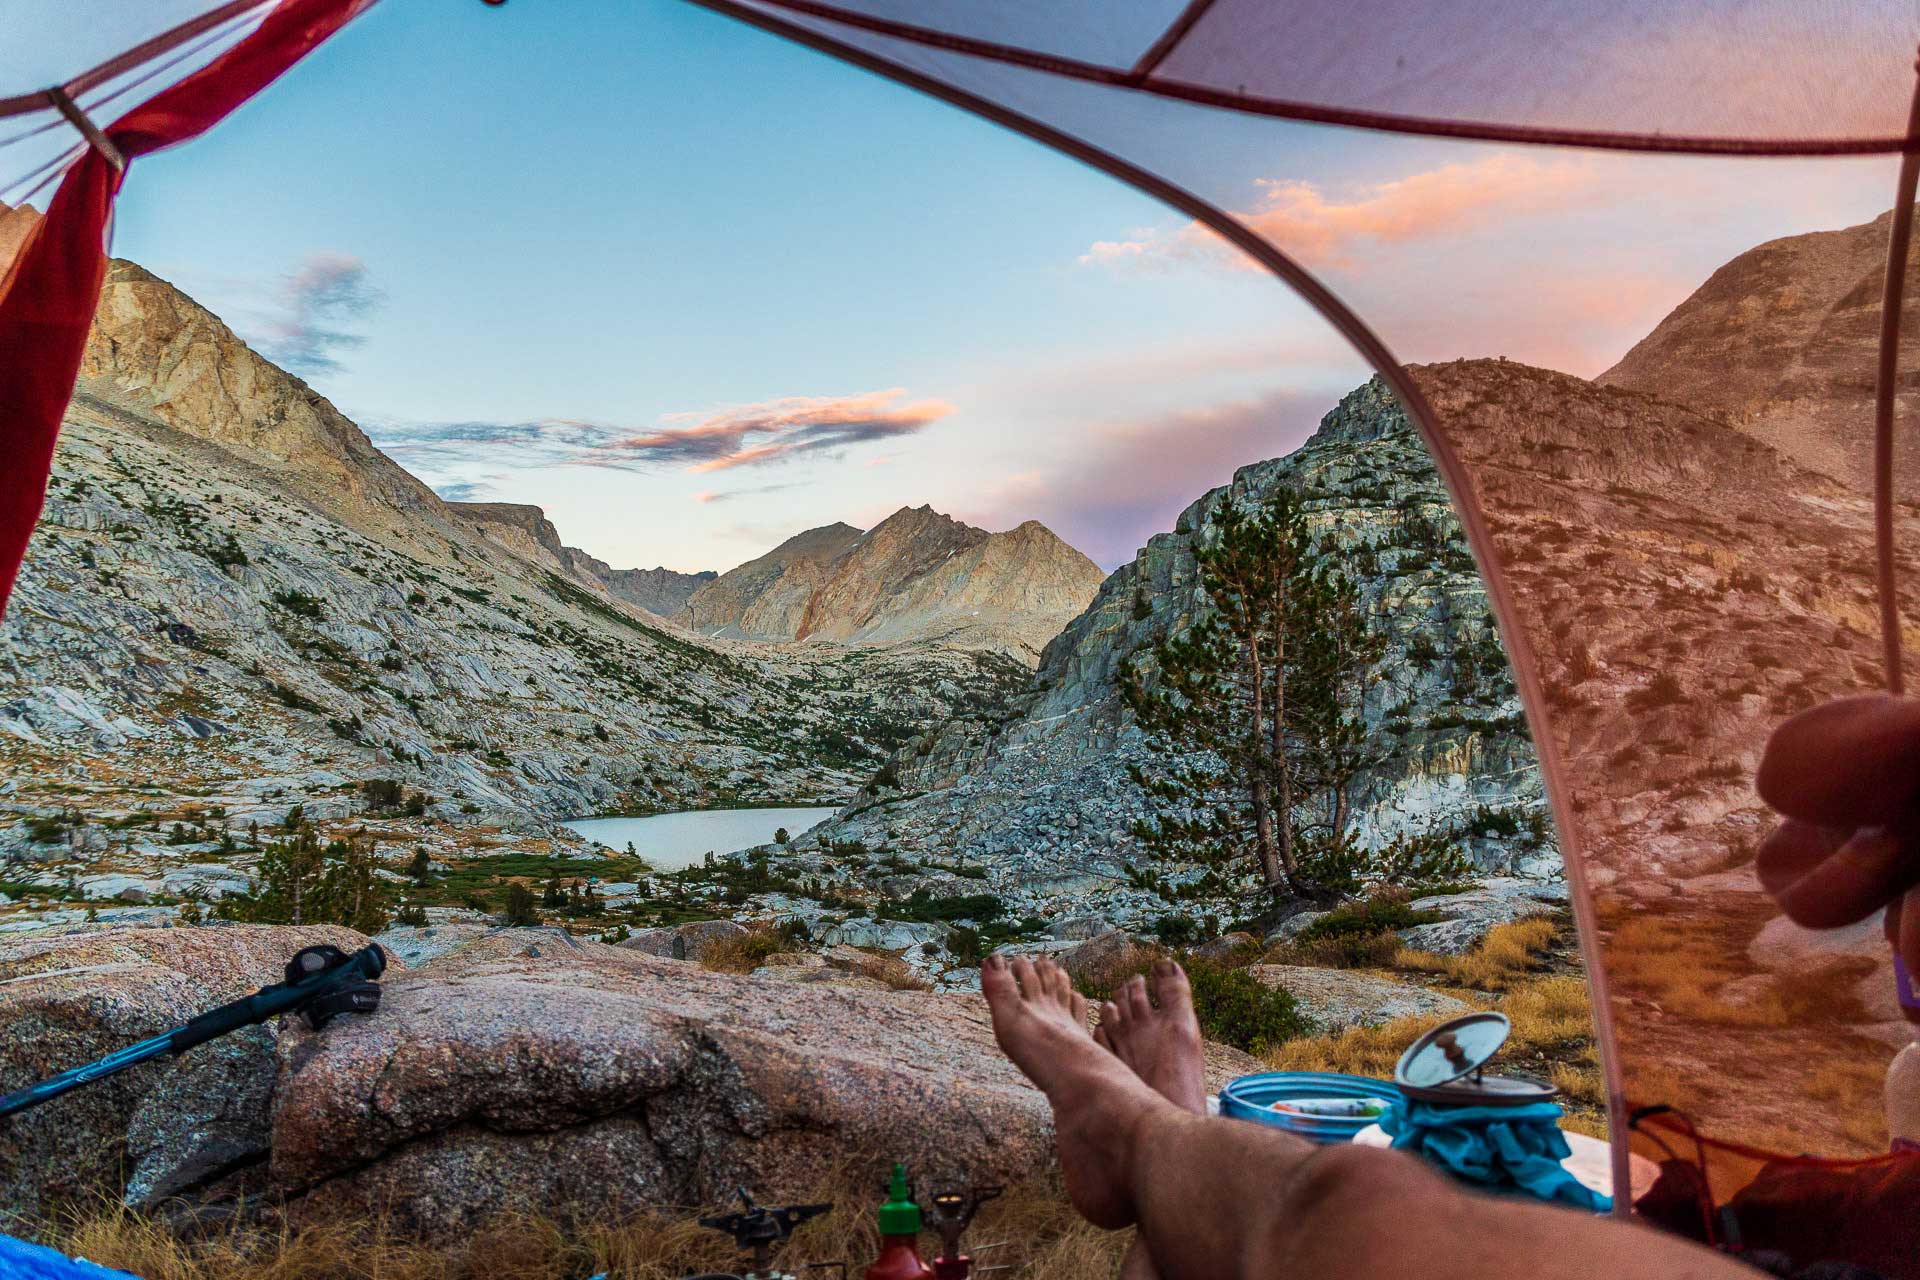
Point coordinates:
pixel 996 982
pixel 1113 1017
pixel 1023 974
pixel 1170 986
pixel 1058 984
pixel 1138 1005
pixel 1077 1006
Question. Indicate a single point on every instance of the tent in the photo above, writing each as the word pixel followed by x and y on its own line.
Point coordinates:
pixel 1171 97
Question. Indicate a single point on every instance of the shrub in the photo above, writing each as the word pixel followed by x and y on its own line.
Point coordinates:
pixel 299 603
pixel 983 907
pixel 521 910
pixel 1383 912
pixel 1177 930
pixel 1235 1008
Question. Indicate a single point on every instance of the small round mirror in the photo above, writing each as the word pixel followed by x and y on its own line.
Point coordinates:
pixel 1452 1050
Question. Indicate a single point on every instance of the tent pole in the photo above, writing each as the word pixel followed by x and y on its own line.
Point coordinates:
pixel 1891 300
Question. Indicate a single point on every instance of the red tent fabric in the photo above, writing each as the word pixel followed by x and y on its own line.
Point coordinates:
pixel 48 296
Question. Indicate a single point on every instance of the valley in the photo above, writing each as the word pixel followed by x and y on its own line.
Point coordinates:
pixel 240 624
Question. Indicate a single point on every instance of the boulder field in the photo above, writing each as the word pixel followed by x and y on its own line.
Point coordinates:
pixel 520 1070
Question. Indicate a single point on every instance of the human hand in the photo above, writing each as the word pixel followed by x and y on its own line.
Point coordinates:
pixel 1845 777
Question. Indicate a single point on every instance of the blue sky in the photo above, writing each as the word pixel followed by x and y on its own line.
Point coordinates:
pixel 692 289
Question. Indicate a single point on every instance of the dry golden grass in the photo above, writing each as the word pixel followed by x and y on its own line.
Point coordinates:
pixel 1552 1035
pixel 1044 1238
pixel 1854 1090
pixel 745 953
pixel 1652 1083
pixel 1508 952
pixel 892 970
pixel 1684 968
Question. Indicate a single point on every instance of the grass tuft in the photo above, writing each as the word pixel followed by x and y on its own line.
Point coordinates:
pixel 1507 953
pixel 1045 1239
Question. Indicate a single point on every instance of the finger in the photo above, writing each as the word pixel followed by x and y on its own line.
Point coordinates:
pixel 1866 873
pixel 1793 849
pixel 1852 762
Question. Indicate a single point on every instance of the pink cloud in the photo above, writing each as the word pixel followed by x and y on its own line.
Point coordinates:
pixel 1307 221
pixel 1131 479
pixel 775 430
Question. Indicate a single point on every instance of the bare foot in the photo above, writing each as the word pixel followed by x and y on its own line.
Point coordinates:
pixel 1041 1023
pixel 1162 1044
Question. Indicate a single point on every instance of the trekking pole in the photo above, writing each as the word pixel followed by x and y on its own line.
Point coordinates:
pixel 320 983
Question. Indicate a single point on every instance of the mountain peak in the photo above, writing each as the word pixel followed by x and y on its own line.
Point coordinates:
pixel 1782 342
pixel 917 575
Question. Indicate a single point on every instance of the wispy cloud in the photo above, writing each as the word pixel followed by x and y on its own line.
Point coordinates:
pixel 435 446
pixel 1328 228
pixel 1132 479
pixel 722 440
pixel 708 496
pixel 774 431
pixel 464 490
pixel 311 320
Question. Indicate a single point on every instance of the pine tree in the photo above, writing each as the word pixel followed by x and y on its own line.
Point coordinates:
pixel 1254 712
pixel 300 882
pixel 1335 652
pixel 520 905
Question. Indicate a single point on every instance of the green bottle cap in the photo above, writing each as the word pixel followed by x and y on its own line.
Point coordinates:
pixel 899 1216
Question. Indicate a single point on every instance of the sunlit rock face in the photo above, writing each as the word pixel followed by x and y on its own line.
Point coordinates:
pixel 1043 798
pixel 916 576
pixel 234 599
pixel 1782 343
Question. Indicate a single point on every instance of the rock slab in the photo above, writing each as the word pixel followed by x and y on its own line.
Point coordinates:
pixel 1340 998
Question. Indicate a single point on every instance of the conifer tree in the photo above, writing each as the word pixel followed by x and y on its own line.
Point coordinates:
pixel 299 881
pixel 1254 712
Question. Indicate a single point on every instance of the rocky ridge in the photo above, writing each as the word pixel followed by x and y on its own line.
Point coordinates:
pixel 525 530
pixel 234 604
pixel 917 576
pixel 1782 342
pixel 1041 800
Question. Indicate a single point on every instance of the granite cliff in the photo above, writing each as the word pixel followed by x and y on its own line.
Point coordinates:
pixel 1042 798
